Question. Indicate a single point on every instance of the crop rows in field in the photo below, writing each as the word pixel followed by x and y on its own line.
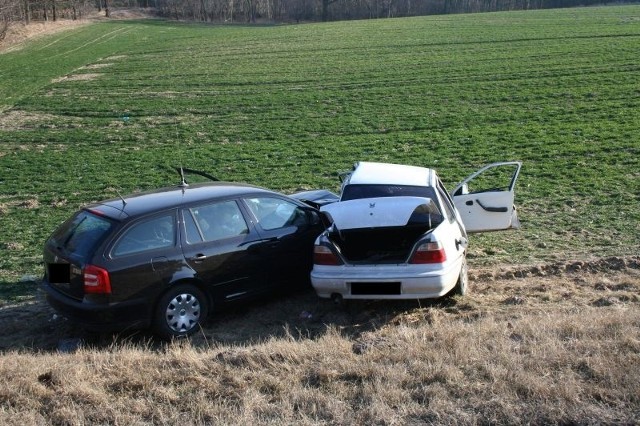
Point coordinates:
pixel 107 107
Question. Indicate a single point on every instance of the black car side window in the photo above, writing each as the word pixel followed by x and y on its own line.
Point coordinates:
pixel 214 222
pixel 274 213
pixel 148 234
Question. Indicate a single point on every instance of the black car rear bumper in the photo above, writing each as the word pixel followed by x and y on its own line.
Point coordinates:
pixel 97 316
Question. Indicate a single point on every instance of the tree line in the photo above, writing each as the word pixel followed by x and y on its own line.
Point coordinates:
pixel 43 10
pixel 268 10
pixel 329 10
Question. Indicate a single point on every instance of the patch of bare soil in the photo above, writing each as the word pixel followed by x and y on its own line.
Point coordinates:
pixel 97 66
pixel 16 120
pixel 13 120
pixel 76 77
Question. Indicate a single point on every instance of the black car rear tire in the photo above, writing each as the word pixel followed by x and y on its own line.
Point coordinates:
pixel 462 286
pixel 180 312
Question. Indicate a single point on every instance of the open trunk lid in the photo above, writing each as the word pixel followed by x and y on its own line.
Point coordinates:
pixel 382 212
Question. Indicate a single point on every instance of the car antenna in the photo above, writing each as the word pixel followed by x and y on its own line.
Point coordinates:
pixel 183 183
pixel 124 203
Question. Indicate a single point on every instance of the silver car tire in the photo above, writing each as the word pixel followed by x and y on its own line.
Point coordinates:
pixel 180 312
pixel 462 285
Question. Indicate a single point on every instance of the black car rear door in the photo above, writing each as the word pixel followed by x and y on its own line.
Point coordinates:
pixel 144 257
pixel 219 244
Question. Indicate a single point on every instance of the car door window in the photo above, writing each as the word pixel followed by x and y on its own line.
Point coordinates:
pixel 146 235
pixel 493 180
pixel 273 213
pixel 213 222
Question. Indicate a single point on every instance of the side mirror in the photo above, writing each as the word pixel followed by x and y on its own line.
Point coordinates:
pixel 464 189
pixel 313 217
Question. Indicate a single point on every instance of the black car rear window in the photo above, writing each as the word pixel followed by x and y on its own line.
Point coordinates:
pixel 82 234
pixel 356 191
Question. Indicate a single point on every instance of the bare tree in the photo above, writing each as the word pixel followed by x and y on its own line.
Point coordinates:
pixel 313 10
pixel 4 26
pixel 251 10
pixel 325 9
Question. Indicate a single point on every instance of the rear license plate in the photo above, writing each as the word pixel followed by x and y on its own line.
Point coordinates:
pixel 59 273
pixel 384 288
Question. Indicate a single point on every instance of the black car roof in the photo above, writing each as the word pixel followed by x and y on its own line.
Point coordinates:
pixel 166 198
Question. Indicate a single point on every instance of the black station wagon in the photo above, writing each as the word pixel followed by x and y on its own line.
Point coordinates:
pixel 166 258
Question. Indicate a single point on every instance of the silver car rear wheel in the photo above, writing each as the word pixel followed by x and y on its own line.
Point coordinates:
pixel 462 286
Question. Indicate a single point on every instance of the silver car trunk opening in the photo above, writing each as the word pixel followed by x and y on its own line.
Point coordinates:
pixel 379 239
pixel 378 245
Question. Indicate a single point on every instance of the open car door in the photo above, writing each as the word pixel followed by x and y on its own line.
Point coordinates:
pixel 485 199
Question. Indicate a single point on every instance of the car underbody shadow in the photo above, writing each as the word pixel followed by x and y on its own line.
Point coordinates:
pixel 305 316
pixel 298 315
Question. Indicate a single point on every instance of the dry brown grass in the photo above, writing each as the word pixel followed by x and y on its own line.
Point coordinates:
pixel 561 345
pixel 16 120
pixel 18 33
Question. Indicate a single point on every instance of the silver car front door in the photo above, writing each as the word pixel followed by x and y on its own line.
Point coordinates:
pixel 485 200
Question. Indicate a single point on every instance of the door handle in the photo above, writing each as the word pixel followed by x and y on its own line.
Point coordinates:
pixel 273 242
pixel 492 209
pixel 199 257
pixel 469 203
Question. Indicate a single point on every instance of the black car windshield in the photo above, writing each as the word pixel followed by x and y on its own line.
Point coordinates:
pixel 80 236
pixel 357 191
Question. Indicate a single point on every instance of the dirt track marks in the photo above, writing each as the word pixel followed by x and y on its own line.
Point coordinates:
pixel 614 263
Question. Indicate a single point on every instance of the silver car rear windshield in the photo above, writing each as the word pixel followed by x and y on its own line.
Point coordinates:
pixel 356 191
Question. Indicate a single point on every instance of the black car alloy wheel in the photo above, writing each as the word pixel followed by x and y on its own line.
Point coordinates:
pixel 180 311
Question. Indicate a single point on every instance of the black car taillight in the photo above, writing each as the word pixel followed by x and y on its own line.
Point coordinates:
pixel 96 280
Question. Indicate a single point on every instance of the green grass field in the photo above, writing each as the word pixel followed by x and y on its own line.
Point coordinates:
pixel 107 107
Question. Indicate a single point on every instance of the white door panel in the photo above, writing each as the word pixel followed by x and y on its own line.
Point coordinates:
pixel 485 199
pixel 489 211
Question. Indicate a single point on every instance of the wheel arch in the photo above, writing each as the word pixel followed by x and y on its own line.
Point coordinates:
pixel 185 281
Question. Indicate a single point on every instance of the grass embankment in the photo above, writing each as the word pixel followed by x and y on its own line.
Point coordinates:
pixel 553 344
pixel 107 107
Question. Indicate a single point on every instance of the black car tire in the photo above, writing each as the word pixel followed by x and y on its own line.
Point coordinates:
pixel 180 312
pixel 462 286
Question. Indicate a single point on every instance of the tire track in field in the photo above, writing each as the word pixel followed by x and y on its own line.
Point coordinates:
pixel 113 34
pixel 55 41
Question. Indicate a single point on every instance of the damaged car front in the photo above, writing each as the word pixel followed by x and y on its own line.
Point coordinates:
pixel 396 234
